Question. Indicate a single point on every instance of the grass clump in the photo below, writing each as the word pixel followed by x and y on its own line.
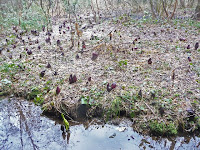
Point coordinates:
pixel 37 95
pixel 33 93
pixel 8 69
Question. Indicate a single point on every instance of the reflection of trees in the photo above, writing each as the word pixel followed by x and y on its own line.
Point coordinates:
pixel 170 142
pixel 8 120
pixel 15 120
pixel 23 122
pixel 22 127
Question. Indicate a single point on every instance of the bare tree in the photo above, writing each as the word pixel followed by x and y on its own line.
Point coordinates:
pixel 152 9
pixel 45 6
pixel 162 6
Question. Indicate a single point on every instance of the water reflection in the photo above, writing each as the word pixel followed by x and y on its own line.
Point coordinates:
pixel 22 127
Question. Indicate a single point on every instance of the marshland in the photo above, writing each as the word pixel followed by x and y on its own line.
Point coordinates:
pixel 103 63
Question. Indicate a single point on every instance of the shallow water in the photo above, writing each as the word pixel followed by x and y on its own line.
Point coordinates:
pixel 23 127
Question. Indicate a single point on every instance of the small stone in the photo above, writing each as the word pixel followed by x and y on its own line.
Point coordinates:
pixel 113 135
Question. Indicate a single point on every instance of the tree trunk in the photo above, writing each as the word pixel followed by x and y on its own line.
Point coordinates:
pixel 152 9
pixel 175 5
pixel 197 11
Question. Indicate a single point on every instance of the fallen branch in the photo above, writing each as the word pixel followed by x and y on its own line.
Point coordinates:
pixel 149 108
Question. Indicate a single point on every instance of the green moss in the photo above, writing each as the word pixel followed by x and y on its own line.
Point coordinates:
pixel 157 128
pixel 115 108
pixel 161 128
pixel 171 129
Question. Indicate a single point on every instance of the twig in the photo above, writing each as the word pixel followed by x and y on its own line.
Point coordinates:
pixel 149 108
pixel 67 115
pixel 164 7
pixel 172 15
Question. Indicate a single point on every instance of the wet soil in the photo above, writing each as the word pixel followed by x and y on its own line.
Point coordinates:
pixel 22 126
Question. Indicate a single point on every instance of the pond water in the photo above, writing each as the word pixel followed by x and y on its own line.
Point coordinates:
pixel 23 127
